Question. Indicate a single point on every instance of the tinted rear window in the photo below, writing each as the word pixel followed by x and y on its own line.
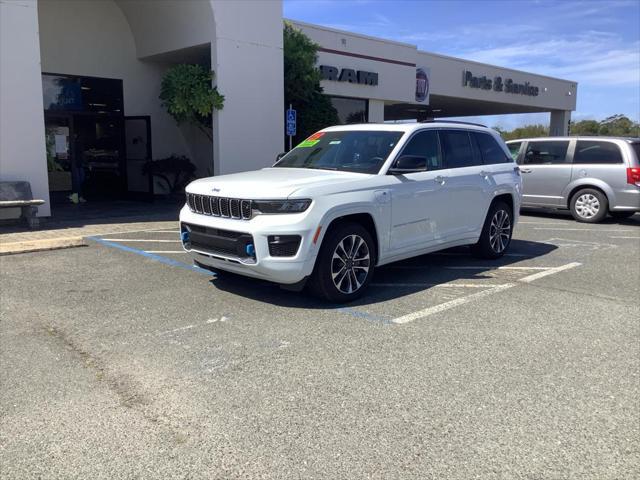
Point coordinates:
pixel 595 152
pixel 636 148
pixel 490 149
pixel 457 149
pixel 546 153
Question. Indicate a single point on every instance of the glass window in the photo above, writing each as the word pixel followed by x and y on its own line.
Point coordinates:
pixel 350 110
pixel 69 93
pixel 425 144
pixel 349 151
pixel 514 149
pixel 490 150
pixel 457 149
pixel 589 151
pixel 636 147
pixel 546 152
pixel 61 93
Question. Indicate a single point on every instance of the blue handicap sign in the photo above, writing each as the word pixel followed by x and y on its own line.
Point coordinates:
pixel 291 122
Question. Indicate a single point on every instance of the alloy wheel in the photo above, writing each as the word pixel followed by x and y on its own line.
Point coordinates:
pixel 587 205
pixel 350 264
pixel 500 231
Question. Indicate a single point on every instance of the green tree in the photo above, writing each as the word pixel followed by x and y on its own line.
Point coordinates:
pixel 585 127
pixel 619 126
pixel 302 84
pixel 525 132
pixel 189 97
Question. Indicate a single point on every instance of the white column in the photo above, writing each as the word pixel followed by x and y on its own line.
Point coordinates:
pixel 247 59
pixel 559 123
pixel 376 111
pixel 22 144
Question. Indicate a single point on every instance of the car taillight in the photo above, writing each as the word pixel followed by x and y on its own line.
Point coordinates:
pixel 633 176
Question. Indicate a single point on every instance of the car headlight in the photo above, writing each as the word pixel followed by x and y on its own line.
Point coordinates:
pixel 281 206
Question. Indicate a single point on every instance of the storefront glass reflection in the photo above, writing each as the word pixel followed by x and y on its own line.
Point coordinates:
pixel 350 110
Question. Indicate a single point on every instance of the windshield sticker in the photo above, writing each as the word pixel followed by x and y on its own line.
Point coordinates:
pixel 334 142
pixel 312 140
pixel 308 143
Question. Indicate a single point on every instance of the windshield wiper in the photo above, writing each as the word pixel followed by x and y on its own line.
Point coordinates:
pixel 322 168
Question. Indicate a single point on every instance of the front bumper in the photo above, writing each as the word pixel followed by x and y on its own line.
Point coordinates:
pixel 236 258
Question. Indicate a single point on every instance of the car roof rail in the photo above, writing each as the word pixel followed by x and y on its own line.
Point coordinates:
pixel 453 121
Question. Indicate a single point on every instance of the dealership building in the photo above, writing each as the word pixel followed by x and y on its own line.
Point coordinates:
pixel 80 81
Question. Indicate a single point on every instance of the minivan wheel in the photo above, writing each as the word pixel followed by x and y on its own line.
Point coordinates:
pixel 345 264
pixel 496 232
pixel 589 205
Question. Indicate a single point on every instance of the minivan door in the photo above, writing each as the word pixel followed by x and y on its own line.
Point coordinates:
pixel 546 171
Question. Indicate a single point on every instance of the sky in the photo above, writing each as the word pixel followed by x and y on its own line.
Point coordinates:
pixel 595 43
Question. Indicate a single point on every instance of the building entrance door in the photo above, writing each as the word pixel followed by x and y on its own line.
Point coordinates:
pixel 60 156
pixel 137 132
pixel 99 156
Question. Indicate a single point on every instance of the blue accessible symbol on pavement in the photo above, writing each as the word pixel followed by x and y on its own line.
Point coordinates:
pixel 291 122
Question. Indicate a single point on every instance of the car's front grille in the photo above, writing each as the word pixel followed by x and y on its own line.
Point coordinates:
pixel 220 206
pixel 217 241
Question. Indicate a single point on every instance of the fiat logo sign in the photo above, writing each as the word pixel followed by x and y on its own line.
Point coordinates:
pixel 422 85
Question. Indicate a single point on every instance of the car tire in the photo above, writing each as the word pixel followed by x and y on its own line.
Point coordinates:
pixel 496 232
pixel 589 205
pixel 342 274
pixel 622 215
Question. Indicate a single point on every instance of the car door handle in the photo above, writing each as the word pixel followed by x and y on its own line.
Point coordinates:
pixel 526 170
pixel 439 179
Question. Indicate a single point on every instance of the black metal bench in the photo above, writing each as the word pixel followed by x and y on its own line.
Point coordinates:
pixel 18 195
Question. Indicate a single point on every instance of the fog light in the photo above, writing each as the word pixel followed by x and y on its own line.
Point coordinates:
pixel 250 249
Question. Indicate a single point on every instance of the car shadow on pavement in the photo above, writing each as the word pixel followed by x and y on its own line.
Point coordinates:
pixel 418 274
pixel 566 215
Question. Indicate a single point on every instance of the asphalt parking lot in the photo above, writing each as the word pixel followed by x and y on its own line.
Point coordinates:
pixel 121 360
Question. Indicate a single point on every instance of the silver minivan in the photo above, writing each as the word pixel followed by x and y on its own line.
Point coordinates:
pixel 591 176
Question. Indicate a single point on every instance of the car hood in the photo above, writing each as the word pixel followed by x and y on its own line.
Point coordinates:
pixel 270 183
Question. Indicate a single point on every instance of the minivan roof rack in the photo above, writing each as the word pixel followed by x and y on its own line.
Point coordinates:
pixel 453 121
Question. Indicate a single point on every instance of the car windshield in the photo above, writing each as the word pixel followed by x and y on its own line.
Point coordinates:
pixel 348 151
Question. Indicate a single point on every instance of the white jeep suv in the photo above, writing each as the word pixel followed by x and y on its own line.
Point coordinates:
pixel 350 198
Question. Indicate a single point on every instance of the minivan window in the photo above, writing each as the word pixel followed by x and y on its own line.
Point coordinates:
pixel 457 149
pixel 591 151
pixel 548 152
pixel 490 149
pixel 425 144
pixel 636 148
pixel 514 149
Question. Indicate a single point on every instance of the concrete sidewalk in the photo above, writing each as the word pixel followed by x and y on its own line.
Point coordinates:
pixel 58 236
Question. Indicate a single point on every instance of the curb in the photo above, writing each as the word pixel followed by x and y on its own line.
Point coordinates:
pixel 41 245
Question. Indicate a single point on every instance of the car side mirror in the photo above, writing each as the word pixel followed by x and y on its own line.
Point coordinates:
pixel 408 164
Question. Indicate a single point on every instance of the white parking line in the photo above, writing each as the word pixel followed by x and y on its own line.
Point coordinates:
pixel 450 304
pixel 445 285
pixel 143 240
pixel 489 267
pixel 630 238
pixel 474 296
pixel 587 229
pixel 536 276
